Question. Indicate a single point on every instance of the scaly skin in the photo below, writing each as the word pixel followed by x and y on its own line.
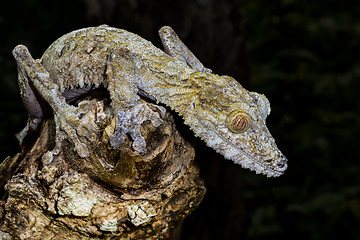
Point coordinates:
pixel 218 109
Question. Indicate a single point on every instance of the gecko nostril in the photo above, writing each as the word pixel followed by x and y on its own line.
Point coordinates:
pixel 281 165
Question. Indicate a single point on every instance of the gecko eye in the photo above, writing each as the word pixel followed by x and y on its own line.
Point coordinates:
pixel 238 121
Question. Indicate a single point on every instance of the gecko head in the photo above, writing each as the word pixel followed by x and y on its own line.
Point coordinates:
pixel 232 121
pixel 251 142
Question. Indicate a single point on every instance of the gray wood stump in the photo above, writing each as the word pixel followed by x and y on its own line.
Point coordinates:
pixel 113 194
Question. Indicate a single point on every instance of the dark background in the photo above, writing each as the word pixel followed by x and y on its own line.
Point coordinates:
pixel 303 55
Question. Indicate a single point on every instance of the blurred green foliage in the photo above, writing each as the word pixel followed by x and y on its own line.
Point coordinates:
pixel 305 57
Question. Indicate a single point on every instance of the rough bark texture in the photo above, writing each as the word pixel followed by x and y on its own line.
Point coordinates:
pixel 113 194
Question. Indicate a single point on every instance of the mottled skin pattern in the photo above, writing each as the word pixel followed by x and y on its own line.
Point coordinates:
pixel 127 65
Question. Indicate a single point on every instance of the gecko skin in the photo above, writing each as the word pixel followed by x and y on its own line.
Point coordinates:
pixel 217 109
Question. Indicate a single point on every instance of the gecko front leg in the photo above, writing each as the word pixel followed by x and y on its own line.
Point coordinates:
pixel 32 73
pixel 177 49
pixel 130 112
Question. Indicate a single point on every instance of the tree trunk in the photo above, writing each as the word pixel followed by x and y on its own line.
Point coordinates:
pixel 110 195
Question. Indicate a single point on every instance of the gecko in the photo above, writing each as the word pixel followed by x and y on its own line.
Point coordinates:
pixel 226 116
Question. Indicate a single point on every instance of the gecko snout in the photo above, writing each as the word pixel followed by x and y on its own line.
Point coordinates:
pixel 282 164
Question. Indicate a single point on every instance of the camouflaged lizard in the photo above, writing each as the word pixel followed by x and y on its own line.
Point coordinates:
pixel 217 109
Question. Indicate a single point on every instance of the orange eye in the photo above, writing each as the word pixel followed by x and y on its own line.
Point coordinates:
pixel 238 121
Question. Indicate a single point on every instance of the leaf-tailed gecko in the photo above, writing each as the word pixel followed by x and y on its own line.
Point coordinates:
pixel 217 109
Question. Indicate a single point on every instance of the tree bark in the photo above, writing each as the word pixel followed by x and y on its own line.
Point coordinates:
pixel 113 194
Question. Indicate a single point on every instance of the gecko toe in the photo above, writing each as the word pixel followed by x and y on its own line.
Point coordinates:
pixel 82 150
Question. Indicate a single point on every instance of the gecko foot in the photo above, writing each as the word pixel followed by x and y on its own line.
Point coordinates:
pixel 129 122
pixel 78 126
pixel 75 123
pixel 72 136
pixel 80 147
